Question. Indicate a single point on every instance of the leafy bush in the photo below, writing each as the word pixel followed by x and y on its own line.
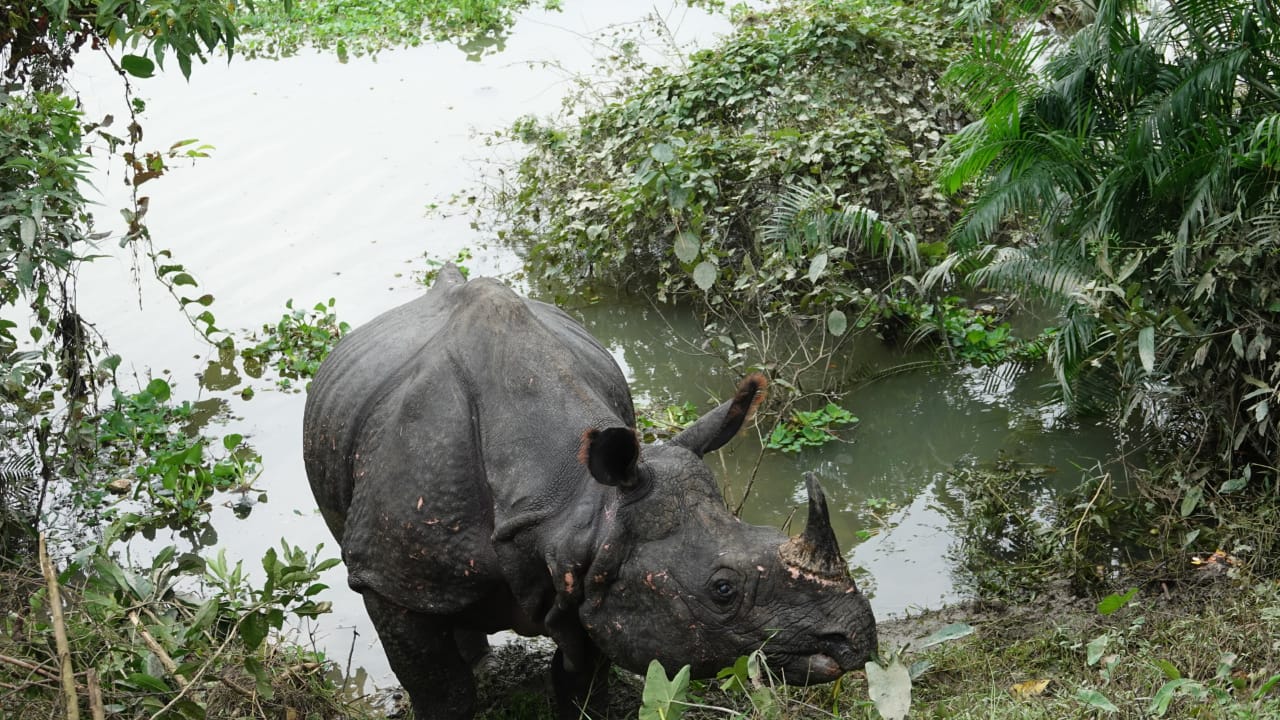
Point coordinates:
pixel 669 181
pixel 143 645
pixel 275 28
pixel 1141 154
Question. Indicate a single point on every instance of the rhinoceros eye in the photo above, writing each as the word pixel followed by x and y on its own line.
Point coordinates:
pixel 723 591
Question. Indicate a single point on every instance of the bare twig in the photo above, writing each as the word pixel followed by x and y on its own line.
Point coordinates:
pixel 96 707
pixel 236 687
pixel 157 650
pixel 27 665
pixel 60 634
pixel 205 667
pixel 1075 537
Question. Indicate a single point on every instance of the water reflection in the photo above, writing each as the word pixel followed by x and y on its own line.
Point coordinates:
pixel 892 506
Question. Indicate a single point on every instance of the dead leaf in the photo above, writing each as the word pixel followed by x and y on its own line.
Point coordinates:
pixel 1029 688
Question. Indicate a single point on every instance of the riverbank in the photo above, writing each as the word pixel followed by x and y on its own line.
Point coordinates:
pixel 1200 642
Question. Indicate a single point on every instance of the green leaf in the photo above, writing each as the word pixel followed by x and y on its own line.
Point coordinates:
pixel 204 617
pixel 1095 648
pixel 837 323
pixel 159 389
pixel 890 688
pixel 1096 700
pixel 662 152
pixel 817 266
pixel 138 66
pixel 954 631
pixel 1168 669
pixel 1235 484
pixel 664 699
pixel 149 682
pixel 1115 601
pixel 27 231
pixel 1191 500
pixel 1160 701
pixel 1147 348
pixel 253 629
pixel 688 246
pixel 704 275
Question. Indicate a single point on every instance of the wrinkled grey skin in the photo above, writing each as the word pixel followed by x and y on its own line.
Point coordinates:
pixel 474 454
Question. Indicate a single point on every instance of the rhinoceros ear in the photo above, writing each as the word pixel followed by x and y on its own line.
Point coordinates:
pixel 611 455
pixel 711 431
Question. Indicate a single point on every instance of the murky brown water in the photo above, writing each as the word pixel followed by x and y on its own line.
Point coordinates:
pixel 318 188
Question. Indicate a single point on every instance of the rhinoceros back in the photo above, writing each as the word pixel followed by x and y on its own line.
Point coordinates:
pixel 442 417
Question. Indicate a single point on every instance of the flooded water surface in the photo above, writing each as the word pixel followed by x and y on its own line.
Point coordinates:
pixel 321 185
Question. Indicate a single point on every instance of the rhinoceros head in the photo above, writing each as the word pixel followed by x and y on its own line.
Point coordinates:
pixel 678 578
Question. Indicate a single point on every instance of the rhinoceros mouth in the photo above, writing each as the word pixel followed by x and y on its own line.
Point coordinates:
pixel 808 669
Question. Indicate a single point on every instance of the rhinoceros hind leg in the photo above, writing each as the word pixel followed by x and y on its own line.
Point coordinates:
pixel 425 659
pixel 581 693
pixel 473 645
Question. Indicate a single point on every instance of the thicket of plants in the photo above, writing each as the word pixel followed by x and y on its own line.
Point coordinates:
pixel 711 178
pixel 1126 175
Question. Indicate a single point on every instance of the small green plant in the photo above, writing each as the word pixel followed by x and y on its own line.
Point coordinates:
pixel 975 335
pixel 297 344
pixel 145 436
pixel 655 424
pixel 434 266
pixel 812 428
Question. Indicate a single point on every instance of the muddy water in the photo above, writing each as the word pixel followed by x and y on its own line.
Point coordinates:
pixel 319 187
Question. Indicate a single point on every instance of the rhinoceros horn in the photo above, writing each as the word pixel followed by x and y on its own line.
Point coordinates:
pixel 816 551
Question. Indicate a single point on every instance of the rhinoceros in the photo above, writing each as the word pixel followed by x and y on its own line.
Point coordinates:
pixel 475 455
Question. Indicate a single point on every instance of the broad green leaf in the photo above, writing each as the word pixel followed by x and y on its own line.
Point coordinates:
pixel 817 266
pixel 149 682
pixel 954 631
pixel 1160 701
pixel 253 629
pixel 138 66
pixel 688 246
pixel 664 699
pixel 1147 348
pixel 159 389
pixel 1095 648
pixel 1168 669
pixel 890 688
pixel 704 275
pixel 1235 484
pixel 1191 500
pixel 1115 601
pixel 837 323
pixel 1096 700
pixel 27 231
pixel 662 152
pixel 204 618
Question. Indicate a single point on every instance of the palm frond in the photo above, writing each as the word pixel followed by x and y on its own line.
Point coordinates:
pixel 1055 277
pixel 861 228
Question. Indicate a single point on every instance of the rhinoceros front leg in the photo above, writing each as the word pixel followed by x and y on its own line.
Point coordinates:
pixel 424 655
pixel 581 692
